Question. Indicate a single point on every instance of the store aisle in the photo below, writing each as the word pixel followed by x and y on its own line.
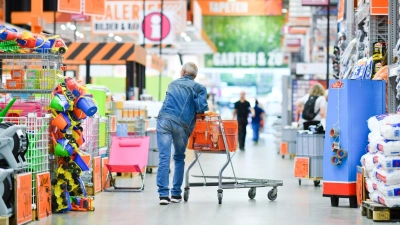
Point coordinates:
pixel 295 204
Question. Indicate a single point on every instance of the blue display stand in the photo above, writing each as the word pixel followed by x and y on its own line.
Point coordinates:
pixel 350 104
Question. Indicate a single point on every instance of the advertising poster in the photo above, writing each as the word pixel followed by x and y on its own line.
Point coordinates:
pixel 104 173
pixel 23 198
pixel 43 196
pixel 245 41
pixel 97 174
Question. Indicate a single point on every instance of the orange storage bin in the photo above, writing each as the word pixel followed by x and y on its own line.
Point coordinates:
pixel 207 136
pixel 17 74
pixel 14 84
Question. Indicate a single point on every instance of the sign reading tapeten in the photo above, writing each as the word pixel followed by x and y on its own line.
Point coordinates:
pixel 240 7
pixel 229 7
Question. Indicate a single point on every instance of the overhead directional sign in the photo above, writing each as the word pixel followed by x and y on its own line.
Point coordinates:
pixel 70 6
pixel 95 7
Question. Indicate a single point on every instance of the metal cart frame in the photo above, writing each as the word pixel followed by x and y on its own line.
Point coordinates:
pixel 124 189
pixel 251 183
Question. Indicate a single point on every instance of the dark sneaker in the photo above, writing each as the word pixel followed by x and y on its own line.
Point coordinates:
pixel 164 201
pixel 176 199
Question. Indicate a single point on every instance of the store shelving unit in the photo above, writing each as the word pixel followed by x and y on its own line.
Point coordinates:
pixel 34 117
pixel 394 32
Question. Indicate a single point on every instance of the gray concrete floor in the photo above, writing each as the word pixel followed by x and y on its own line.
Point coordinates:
pixel 295 204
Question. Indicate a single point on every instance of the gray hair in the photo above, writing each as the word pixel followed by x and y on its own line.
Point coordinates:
pixel 190 68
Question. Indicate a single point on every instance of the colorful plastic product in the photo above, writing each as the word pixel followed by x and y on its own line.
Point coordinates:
pixel 63 148
pixel 3 112
pixel 61 121
pixel 82 204
pixel 70 106
pixel 7 34
pixel 59 103
pixel 87 105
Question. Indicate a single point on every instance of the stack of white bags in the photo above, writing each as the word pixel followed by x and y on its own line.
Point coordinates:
pixel 382 162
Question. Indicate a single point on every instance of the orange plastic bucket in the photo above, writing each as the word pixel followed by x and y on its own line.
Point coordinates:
pixel 60 122
pixel 79 114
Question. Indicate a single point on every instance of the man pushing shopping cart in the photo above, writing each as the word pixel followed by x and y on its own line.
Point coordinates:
pixel 184 99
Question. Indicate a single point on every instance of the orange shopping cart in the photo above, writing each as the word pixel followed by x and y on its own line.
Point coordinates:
pixel 212 135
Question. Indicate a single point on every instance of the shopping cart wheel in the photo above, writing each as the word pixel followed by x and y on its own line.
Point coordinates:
pixel 316 183
pixel 220 195
pixel 283 156
pixel 186 195
pixel 149 170
pixel 299 182
pixel 252 193
pixel 272 194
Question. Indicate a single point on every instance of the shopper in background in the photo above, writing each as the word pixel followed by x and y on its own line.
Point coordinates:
pixel 256 121
pixel 313 105
pixel 242 110
pixel 382 74
pixel 184 99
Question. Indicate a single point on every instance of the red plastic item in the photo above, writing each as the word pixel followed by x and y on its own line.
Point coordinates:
pixel 207 136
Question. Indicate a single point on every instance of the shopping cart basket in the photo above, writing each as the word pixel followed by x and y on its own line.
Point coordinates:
pixel 212 135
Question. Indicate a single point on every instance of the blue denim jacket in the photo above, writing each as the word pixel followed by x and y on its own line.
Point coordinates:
pixel 185 98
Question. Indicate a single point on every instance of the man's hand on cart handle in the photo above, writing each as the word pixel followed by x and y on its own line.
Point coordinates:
pixel 209 113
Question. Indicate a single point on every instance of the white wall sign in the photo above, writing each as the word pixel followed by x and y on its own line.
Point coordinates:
pixel 151 28
pixel 248 59
pixel 126 17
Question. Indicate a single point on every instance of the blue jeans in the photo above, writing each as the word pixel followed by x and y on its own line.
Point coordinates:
pixel 169 132
pixel 256 131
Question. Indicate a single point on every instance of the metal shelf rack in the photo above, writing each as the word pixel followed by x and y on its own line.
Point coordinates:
pixel 394 33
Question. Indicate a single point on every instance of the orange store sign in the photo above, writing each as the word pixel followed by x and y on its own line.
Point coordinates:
pixel 379 7
pixel 70 6
pixel 240 8
pixel 94 7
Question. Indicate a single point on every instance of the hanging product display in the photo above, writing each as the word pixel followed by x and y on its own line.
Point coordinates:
pixel 70 105
pixel 362 57
pixel 25 42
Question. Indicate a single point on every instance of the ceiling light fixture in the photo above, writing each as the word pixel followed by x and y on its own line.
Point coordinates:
pixel 188 39
pixel 284 10
pixel 111 35
pixel 63 27
pixel 118 38
pixel 72 27
pixel 183 34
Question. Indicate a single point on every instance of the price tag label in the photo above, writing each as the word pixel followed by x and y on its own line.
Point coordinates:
pixel 360 185
pixel 301 167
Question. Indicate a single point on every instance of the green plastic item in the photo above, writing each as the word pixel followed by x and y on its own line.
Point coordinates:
pixel 101 98
pixel 9 46
pixel 56 104
pixel 3 112
pixel 59 150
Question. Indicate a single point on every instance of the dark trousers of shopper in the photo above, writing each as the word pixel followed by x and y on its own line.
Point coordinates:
pixel 242 124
